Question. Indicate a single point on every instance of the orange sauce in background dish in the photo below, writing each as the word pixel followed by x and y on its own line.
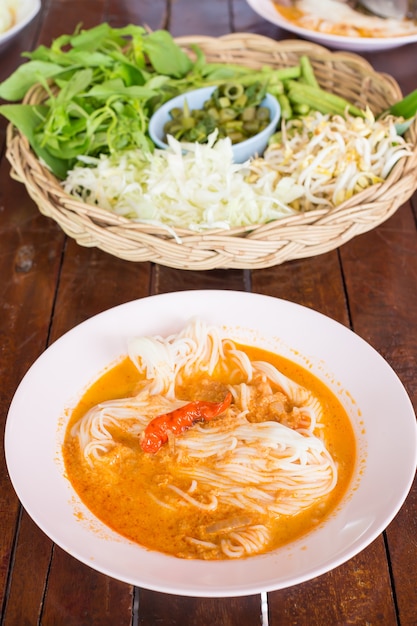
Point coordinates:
pixel 117 490
pixel 336 18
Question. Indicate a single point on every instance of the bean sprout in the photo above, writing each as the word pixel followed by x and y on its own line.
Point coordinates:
pixel 332 157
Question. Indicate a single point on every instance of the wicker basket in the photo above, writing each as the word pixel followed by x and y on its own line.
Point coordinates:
pixel 252 247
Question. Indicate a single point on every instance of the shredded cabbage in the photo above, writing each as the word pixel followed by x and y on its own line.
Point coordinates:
pixel 200 188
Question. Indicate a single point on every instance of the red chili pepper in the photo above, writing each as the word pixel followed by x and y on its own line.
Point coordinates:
pixel 179 420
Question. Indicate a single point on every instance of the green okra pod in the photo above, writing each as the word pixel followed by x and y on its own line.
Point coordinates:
pixel 307 73
pixel 321 100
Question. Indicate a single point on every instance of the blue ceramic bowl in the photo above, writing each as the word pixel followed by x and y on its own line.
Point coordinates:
pixel 195 99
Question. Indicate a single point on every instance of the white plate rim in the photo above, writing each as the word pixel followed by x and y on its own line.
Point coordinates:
pixel 26 11
pixel 160 572
pixel 265 8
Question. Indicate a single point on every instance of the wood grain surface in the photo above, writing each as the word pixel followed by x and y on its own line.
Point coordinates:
pixel 48 284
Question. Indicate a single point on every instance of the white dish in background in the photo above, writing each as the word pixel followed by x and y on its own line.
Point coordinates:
pixel 381 413
pixel 26 10
pixel 267 10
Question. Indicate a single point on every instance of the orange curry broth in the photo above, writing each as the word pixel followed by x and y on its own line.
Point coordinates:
pixel 297 17
pixel 118 497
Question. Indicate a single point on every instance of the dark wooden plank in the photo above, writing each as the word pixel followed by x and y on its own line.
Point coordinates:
pixel 158 608
pixel 10 56
pixel 31 260
pixel 164 608
pixel 79 596
pixel 29 264
pixel 212 18
pixel 338 596
pixel 64 16
pixel 33 554
pixel 401 538
pixel 167 279
pixel 316 283
pixel 383 301
pixel 92 281
pixel 382 295
pixel 347 595
pixel 169 609
pixel 246 20
pixel 150 13
pixel 384 306
pixel 393 64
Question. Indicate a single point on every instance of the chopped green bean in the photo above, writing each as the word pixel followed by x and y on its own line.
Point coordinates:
pixel 321 100
pixel 174 128
pixel 176 112
pixel 248 114
pixel 233 91
pixel 213 112
pixel 236 137
pixel 224 102
pixel 188 122
pixel 227 114
pixel 241 101
pixel 262 113
pixel 234 110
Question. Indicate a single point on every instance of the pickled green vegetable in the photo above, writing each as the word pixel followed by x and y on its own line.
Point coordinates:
pixel 236 112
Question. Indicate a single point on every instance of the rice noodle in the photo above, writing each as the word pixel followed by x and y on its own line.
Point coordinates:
pixel 130 415
pixel 249 541
pixel 263 468
pixel 211 505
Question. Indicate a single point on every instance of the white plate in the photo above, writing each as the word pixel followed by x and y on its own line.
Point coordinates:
pixel 266 9
pixel 380 410
pixel 25 12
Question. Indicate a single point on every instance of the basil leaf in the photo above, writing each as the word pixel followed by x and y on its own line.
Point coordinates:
pixel 76 85
pixel 117 87
pixel 27 118
pixel 15 86
pixel 165 54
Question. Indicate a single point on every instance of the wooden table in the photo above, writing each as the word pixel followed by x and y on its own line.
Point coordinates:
pixel 49 284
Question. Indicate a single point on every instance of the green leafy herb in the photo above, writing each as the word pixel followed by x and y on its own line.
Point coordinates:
pixel 15 87
pixel 406 108
pixel 26 118
pixel 165 55
pixel 103 84
pixel 101 87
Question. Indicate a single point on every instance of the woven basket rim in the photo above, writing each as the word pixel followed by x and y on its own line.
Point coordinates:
pixel 248 247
